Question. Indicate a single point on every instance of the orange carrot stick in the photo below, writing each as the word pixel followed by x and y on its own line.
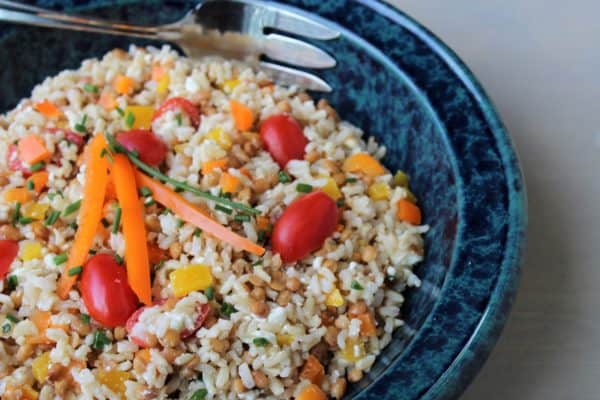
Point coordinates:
pixel 134 228
pixel 90 214
pixel 32 149
pixel 48 109
pixel 242 115
pixel 190 213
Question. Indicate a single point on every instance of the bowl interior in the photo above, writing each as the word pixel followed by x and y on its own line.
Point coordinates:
pixel 395 105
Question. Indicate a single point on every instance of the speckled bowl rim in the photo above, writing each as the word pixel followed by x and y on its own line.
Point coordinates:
pixel 454 380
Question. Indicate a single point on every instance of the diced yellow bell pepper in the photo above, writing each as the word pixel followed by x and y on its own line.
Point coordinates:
pixel 143 116
pixel 331 189
pixel 220 137
pixel 354 350
pixel 189 279
pixel 230 84
pixel 31 251
pixel 163 84
pixel 114 380
pixel 335 298
pixel 284 339
pixel 401 179
pixel 40 367
pixel 35 211
pixel 379 191
pixel 363 162
pixel 20 195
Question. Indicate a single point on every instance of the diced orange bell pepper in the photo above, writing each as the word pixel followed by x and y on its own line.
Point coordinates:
pixel 408 212
pixel 17 195
pixel 312 392
pixel 32 149
pixel 313 370
pixel 123 84
pixel 210 166
pixel 39 179
pixel 363 162
pixel 229 183
pixel 48 109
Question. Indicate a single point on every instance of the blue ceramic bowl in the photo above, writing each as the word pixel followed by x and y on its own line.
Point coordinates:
pixel 405 87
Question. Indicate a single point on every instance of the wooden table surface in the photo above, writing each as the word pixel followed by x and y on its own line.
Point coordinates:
pixel 539 60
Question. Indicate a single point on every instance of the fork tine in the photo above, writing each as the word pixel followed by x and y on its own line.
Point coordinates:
pixel 296 52
pixel 300 25
pixel 290 76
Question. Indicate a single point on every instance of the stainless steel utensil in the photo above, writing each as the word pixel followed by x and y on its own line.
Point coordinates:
pixel 230 28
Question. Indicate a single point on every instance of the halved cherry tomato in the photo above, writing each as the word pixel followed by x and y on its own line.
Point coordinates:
pixel 283 138
pixel 15 163
pixel 185 105
pixel 106 292
pixel 150 148
pixel 8 252
pixel 304 226
pixel 202 309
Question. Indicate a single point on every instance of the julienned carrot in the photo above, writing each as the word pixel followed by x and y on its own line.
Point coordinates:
pixel 90 213
pixel 242 115
pixel 408 212
pixel 32 149
pixel 190 213
pixel 134 228
pixel 48 109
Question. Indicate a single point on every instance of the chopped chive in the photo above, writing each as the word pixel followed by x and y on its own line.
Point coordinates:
pixel 17 212
pixel 129 120
pixel 106 153
pixel 179 190
pixel 88 87
pixel 60 259
pixel 149 203
pixel 51 196
pixel 74 225
pixel 284 177
pixel 209 293
pixel 117 220
pixel 199 394
pixel 145 191
pixel 179 119
pixel 135 153
pixel 179 223
pixel 25 220
pixel 227 309
pixel 100 340
pixel 105 223
pixel 72 208
pixel 75 271
pixel 12 318
pixel 37 166
pixel 350 180
pixel 13 282
pixel 261 342
pixel 85 318
pixel 119 259
pixel 52 218
pixel 197 232
pixel 262 234
pixel 304 188
pixel 356 286
pixel 226 210
pixel 6 327
pixel 340 203
pixel 257 263
pixel 175 183
pixel 242 218
pixel 80 127
pixel 159 265
pixel 30 185
pixel 120 111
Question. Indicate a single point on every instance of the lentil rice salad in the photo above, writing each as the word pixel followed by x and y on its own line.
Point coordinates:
pixel 172 228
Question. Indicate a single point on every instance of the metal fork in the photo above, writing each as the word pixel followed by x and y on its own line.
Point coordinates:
pixel 230 28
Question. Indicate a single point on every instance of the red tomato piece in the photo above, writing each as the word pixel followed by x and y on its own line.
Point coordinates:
pixel 283 138
pixel 106 292
pixel 8 253
pixel 150 148
pixel 15 163
pixel 184 105
pixel 304 226
pixel 71 136
pixel 202 309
